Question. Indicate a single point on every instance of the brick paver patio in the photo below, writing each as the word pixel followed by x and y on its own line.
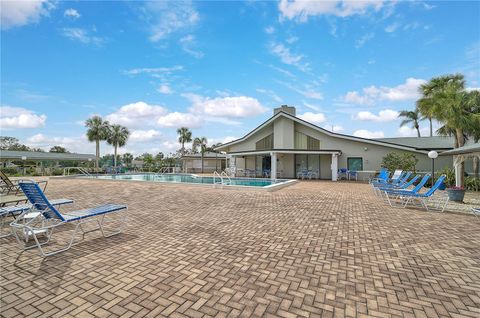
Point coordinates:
pixel 315 249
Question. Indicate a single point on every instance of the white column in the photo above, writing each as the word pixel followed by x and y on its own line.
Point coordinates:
pixel 334 167
pixel 273 165
pixel 458 175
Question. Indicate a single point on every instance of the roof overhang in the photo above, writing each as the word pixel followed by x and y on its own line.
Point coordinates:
pixel 44 156
pixel 329 133
pixel 470 149
pixel 286 151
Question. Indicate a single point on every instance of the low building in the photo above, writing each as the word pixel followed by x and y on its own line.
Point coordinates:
pixel 285 145
pixel 212 161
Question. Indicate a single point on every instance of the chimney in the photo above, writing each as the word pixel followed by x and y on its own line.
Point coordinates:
pixel 286 109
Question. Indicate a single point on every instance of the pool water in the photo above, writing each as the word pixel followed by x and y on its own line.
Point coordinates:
pixel 191 178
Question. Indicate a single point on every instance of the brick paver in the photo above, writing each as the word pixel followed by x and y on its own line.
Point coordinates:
pixel 314 249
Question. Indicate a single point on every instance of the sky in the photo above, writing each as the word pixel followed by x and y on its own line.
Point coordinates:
pixel 220 68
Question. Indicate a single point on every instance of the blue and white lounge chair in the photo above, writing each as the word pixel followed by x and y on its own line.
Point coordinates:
pixel 14 210
pixel 423 199
pixel 476 211
pixel 404 186
pixel 382 176
pixel 388 193
pixel 51 218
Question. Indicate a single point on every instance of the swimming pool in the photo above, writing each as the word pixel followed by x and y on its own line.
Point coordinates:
pixel 195 179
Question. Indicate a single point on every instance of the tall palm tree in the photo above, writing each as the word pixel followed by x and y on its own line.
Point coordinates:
pixel 97 131
pixel 117 137
pixel 202 143
pixel 184 136
pixel 127 159
pixel 411 117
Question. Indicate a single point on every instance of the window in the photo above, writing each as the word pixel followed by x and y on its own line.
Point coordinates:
pixel 355 164
pixel 265 143
pixel 303 141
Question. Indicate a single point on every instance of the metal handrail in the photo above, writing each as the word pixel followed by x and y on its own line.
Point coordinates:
pixel 224 174
pixel 215 176
pixel 66 171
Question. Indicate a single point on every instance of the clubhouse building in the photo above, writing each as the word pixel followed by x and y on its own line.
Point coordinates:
pixel 285 145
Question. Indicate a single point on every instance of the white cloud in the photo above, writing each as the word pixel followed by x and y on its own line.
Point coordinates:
pixel 302 10
pixel 71 13
pixel 312 107
pixel 406 131
pixel 337 128
pixel 368 134
pixel 135 115
pixel 153 70
pixel 188 44
pixel 18 13
pixel 223 140
pixel 82 36
pixel 308 91
pixel 165 89
pixel 383 116
pixel 392 27
pixel 372 94
pixel 17 117
pixel 78 144
pixel 176 119
pixel 269 30
pixel 287 57
pixel 145 135
pixel 236 107
pixel 314 118
pixel 292 39
pixel 270 94
pixel 364 39
pixel 167 17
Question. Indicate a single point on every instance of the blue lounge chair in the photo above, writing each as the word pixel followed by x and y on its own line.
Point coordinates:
pixel 51 218
pixel 407 197
pixel 14 210
pixel 388 193
pixel 404 186
pixel 476 211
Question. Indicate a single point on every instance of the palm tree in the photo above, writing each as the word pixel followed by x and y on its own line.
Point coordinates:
pixel 117 137
pixel 202 143
pixel 411 117
pixel 127 159
pixel 184 136
pixel 97 131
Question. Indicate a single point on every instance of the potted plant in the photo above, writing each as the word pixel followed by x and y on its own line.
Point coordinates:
pixel 456 194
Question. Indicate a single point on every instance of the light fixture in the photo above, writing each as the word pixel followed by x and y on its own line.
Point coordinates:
pixel 432 154
pixel 365 148
pixel 24 157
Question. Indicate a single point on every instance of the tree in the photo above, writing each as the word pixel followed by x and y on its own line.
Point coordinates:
pixel 201 142
pixel 127 159
pixel 159 158
pixel 97 131
pixel 411 117
pixel 184 136
pixel 117 137
pixel 147 160
pixel 58 149
pixel 394 160
pixel 12 143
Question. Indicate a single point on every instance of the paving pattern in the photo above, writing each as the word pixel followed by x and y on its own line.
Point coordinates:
pixel 314 249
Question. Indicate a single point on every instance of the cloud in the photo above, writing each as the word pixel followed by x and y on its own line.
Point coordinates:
pixel 383 116
pixel 364 39
pixel 406 131
pixel 314 118
pixel 269 30
pixel 71 13
pixel 188 44
pixel 270 94
pixel 18 118
pixel 145 135
pixel 392 27
pixel 19 13
pixel 176 119
pixel 136 115
pixel 301 10
pixel 308 91
pixel 82 36
pixel 287 57
pixel 165 89
pixel 153 70
pixel 236 106
pixel 78 144
pixel 166 17
pixel 223 140
pixel 368 134
pixel 372 94
pixel 337 128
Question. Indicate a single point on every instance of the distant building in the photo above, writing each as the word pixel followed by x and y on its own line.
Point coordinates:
pixel 285 145
pixel 212 161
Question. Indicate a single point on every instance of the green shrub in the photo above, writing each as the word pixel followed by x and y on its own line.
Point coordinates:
pixel 57 172
pixel 10 171
pixel 472 184
pixel 449 176
pixel 404 161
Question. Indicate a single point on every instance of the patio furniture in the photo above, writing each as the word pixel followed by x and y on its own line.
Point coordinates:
pixel 378 189
pixel 312 174
pixel 19 209
pixel 406 197
pixel 382 176
pixel 11 187
pixel 344 172
pixel 50 218
pixel 352 174
pixel 302 174
pixel 397 192
pixel 476 211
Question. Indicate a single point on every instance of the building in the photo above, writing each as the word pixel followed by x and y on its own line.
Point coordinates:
pixel 285 145
pixel 212 161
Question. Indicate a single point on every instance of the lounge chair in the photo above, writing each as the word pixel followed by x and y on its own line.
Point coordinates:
pixel 403 186
pixel 14 210
pixel 382 176
pixel 51 218
pixel 476 211
pixel 423 199
pixel 392 193
pixel 11 187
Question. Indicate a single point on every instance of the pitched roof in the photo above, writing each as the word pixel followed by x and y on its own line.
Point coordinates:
pixel 209 155
pixel 426 143
pixel 327 132
pixel 463 150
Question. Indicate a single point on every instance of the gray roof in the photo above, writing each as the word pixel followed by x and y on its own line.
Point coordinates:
pixel 463 150
pixel 34 155
pixel 209 155
pixel 423 143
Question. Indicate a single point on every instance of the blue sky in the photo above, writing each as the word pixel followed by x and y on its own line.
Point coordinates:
pixel 221 67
